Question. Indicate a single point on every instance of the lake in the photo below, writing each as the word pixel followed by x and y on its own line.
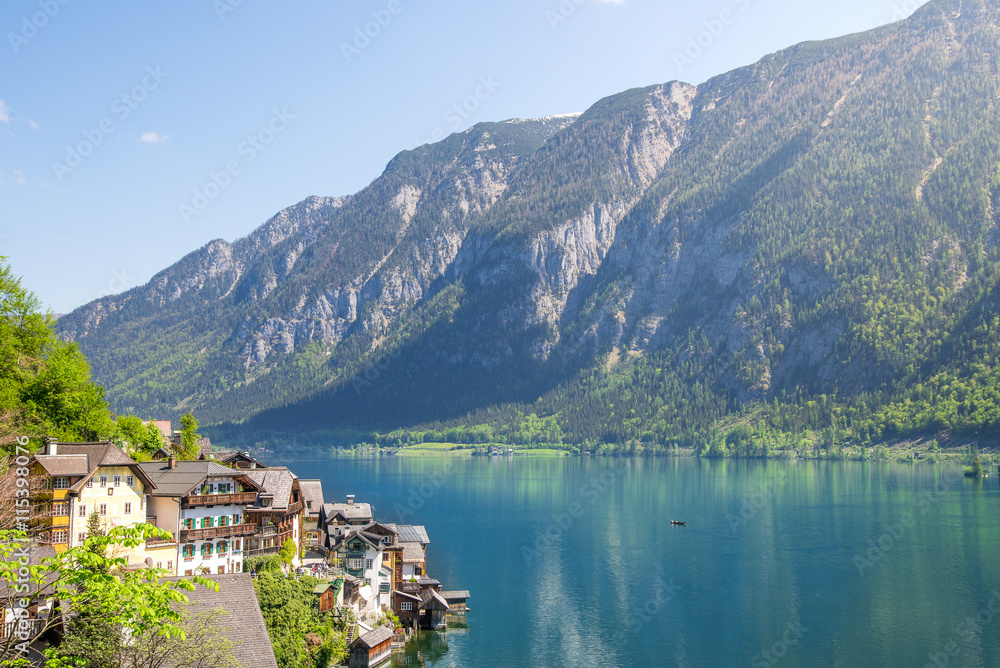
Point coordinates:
pixel 573 561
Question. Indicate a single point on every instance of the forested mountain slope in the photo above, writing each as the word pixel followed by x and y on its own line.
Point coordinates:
pixel 808 242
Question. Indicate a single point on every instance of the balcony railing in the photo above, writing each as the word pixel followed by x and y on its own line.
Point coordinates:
pixel 263 551
pixel 235 499
pixel 218 532
pixel 32 626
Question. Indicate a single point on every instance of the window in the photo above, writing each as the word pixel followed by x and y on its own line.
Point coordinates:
pixel 189 523
pixel 170 565
pixel 206 550
pixel 368 582
pixel 206 522
pixel 60 483
pixel 118 481
pixel 354 564
pixel 369 564
pixel 103 510
pixel 188 573
pixel 128 507
pixel 188 552
pixel 406 605
pixel 81 536
pixel 130 480
pixel 60 508
pixel 59 536
pixel 83 510
pixel 236 518
pixel 236 545
pixel 104 481
pixel 309 504
pixel 222 570
pixel 224 521
pixel 222 547
pixel 90 484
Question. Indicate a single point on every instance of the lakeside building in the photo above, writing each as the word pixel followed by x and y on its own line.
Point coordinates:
pixel 202 505
pixel 73 480
pixel 276 512
pixel 312 496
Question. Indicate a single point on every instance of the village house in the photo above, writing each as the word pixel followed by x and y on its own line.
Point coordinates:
pixel 413 542
pixel 312 496
pixel 202 505
pixel 233 459
pixel 344 514
pixel 73 480
pixel 276 512
pixel 358 553
pixel 371 649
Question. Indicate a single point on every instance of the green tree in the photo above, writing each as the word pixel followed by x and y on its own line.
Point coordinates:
pixel 287 552
pixel 189 437
pixel 90 583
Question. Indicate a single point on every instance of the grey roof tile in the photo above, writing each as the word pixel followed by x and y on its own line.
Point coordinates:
pixel 243 623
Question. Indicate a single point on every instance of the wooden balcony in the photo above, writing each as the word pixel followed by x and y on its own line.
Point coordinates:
pixel 218 532
pixel 236 499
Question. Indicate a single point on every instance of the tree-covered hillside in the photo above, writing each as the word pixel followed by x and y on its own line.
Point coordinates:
pixel 804 245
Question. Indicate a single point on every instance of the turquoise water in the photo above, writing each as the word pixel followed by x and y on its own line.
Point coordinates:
pixel 574 562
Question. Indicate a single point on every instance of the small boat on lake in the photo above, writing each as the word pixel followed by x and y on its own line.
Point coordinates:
pixel 679 523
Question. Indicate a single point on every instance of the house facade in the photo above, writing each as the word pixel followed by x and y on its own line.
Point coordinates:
pixel 71 481
pixel 276 512
pixel 312 497
pixel 202 504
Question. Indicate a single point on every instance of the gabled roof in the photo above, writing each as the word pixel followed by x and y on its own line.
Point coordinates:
pixel 403 594
pixel 431 600
pixel 187 475
pixel 413 553
pixel 411 534
pixel 64 465
pixel 457 595
pixel 243 623
pixel 276 483
pixel 98 454
pixel 229 456
pixel 373 638
pixel 350 512
pixel 312 491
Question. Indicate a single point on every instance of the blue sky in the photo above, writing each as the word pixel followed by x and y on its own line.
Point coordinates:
pixel 114 116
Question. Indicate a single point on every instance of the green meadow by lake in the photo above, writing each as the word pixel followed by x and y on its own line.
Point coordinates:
pixel 574 562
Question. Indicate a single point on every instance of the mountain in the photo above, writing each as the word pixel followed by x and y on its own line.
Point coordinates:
pixel 805 245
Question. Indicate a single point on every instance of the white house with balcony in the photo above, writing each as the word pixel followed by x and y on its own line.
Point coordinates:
pixel 202 504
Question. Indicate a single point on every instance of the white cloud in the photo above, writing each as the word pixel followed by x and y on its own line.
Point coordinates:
pixel 4 112
pixel 32 124
pixel 21 181
pixel 154 138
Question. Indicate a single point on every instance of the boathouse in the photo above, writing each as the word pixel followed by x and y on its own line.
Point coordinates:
pixel 372 649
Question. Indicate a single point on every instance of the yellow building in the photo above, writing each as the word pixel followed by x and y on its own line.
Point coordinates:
pixel 73 480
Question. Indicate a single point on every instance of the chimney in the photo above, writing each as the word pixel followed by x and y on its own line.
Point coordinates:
pixel 350 499
pixel 53 447
pixel 172 463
